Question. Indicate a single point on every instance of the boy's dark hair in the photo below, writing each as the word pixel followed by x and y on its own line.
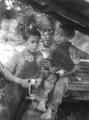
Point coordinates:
pixel 31 33
pixel 68 31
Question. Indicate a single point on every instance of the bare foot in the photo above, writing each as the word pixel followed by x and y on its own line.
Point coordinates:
pixel 47 115
pixel 41 106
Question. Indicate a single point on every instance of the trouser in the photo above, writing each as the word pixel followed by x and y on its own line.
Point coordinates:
pixel 31 112
pixel 60 89
pixel 48 86
pixel 9 102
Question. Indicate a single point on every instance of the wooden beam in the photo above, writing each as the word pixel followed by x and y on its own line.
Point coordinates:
pixel 79 86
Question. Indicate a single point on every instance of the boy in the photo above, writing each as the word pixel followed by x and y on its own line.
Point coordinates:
pixel 65 66
pixel 24 66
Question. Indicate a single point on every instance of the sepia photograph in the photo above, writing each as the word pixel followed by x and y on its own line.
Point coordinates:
pixel 44 59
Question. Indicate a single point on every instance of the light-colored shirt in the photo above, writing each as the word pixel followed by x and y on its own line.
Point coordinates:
pixel 19 59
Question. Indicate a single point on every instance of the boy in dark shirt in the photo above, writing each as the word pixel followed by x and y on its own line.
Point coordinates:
pixel 65 66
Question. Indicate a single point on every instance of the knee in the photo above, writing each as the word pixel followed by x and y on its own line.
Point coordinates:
pixel 52 78
pixel 65 83
pixel 60 88
pixel 65 80
pixel 48 85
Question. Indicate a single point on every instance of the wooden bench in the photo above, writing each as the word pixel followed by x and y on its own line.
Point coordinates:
pixel 77 90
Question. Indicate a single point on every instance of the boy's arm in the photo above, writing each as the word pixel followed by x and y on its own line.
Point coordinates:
pixel 9 68
pixel 81 53
pixel 75 69
pixel 10 77
pixel 74 54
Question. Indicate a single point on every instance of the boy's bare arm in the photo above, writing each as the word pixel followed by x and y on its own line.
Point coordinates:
pixel 10 77
pixel 75 69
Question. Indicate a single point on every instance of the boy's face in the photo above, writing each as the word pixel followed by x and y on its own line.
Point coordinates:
pixel 32 43
pixel 61 37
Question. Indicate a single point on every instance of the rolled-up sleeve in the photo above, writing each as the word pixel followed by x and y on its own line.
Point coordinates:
pixel 74 53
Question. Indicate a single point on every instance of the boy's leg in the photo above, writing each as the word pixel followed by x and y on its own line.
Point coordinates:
pixel 58 93
pixel 31 113
pixel 48 87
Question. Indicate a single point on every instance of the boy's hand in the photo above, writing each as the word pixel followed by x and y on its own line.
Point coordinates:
pixel 24 83
pixel 53 69
pixel 37 82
